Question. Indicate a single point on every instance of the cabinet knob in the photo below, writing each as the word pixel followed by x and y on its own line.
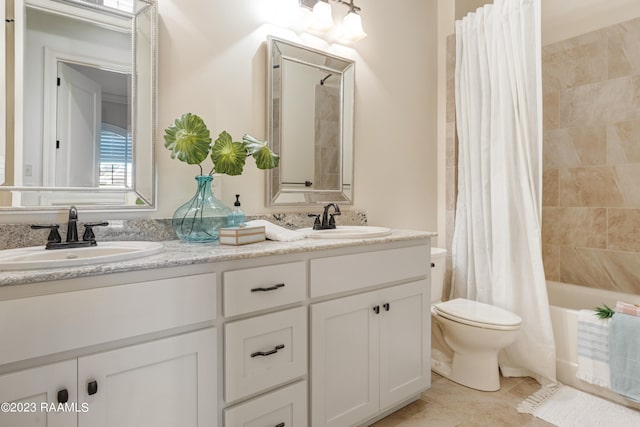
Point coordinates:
pixel 280 425
pixel 63 396
pixel 272 288
pixel 376 309
pixel 386 306
pixel 92 387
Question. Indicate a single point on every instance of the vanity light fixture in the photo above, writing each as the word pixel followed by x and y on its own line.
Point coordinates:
pixel 322 16
pixel 322 19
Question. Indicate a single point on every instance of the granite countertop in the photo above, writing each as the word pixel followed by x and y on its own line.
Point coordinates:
pixel 177 253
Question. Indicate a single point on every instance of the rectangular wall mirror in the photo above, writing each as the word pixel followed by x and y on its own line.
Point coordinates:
pixel 80 91
pixel 310 105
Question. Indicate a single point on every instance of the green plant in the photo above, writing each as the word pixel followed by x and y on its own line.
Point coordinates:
pixel 189 140
pixel 604 312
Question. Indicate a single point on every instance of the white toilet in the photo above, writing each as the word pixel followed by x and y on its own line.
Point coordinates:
pixel 466 335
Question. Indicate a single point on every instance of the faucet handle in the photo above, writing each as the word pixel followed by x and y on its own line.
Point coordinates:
pixel 88 230
pixel 316 223
pixel 54 235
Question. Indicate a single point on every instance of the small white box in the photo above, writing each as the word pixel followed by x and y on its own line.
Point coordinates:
pixel 241 235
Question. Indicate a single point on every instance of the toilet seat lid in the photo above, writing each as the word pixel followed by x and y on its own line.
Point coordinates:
pixel 478 313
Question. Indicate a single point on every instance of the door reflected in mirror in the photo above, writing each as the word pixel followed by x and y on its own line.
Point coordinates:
pixel 84 104
pixel 93 129
pixel 310 125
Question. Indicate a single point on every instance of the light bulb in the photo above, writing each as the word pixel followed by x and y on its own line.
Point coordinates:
pixel 352 28
pixel 322 18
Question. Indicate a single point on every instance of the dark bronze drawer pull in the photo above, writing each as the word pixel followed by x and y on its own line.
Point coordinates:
pixel 272 288
pixel 268 353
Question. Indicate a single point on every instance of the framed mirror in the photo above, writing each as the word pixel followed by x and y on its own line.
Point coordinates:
pixel 81 101
pixel 310 106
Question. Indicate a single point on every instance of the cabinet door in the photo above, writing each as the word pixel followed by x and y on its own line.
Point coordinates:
pixel 31 388
pixel 164 383
pixel 344 360
pixel 405 336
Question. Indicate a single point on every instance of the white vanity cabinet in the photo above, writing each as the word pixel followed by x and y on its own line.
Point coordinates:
pixel 369 351
pixel 163 383
pixel 134 354
pixel 325 334
pixel 160 383
pixel 25 391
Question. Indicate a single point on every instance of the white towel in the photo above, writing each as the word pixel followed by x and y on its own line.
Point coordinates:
pixel 593 349
pixel 275 232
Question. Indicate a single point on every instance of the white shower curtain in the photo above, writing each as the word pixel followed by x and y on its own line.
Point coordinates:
pixel 497 256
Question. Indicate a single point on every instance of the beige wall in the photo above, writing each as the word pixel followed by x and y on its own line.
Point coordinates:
pixel 212 61
pixel 562 19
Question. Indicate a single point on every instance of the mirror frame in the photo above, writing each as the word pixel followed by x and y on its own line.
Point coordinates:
pixel 276 193
pixel 143 182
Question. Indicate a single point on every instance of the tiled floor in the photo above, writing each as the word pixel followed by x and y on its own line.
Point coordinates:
pixel 448 404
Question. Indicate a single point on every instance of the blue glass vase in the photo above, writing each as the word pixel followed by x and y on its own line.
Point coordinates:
pixel 199 220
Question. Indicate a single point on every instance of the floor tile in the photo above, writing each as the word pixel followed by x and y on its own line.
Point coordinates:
pixel 447 404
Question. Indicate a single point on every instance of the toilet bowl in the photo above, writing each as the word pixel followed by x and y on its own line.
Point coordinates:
pixel 468 335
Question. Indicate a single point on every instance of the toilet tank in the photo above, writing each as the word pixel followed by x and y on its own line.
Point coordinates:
pixel 438 269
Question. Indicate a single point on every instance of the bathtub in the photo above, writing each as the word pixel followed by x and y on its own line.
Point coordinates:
pixel 565 301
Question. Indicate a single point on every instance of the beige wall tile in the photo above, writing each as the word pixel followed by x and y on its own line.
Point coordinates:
pixel 583 227
pixel 576 66
pixel 623 55
pixel 579 146
pixel 551 261
pixel 550 187
pixel 451 215
pixel 623 142
pixel 589 186
pixel 624 229
pixel 451 70
pixel 452 144
pixel 628 177
pixel 452 187
pixel 550 110
pixel 603 269
pixel 558 150
pixel 601 103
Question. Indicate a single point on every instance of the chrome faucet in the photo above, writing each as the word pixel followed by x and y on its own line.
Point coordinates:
pixel 54 241
pixel 328 221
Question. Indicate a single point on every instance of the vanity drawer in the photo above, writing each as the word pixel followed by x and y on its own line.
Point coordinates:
pixel 264 351
pixel 333 275
pixel 286 406
pixel 48 324
pixel 259 288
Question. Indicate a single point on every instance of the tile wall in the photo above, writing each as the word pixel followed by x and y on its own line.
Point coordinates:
pixel 591 183
pixel 452 156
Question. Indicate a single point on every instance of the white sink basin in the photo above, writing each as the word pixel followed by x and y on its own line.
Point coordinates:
pixel 37 257
pixel 347 232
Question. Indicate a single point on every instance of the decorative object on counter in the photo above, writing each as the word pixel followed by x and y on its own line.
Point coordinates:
pixel 275 232
pixel 241 235
pixel 237 217
pixel 189 140
pixel 199 219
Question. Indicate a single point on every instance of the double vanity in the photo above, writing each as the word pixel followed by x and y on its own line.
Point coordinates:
pixel 321 332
